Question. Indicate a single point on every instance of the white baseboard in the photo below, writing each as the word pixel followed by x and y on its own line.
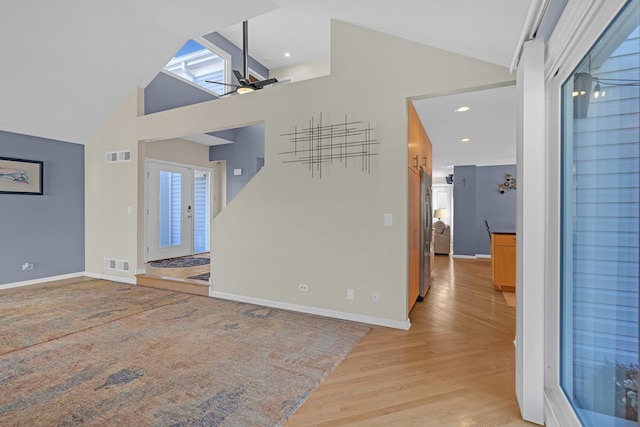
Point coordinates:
pixel 314 310
pixel 127 280
pixel 476 256
pixel 42 280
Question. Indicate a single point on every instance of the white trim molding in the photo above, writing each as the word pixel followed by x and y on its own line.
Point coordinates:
pixel 530 245
pixel 575 31
pixel 127 280
pixel 579 27
pixel 464 256
pixel 535 13
pixel 42 280
pixel 313 310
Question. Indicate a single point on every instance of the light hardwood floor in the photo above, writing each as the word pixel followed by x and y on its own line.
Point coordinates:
pixel 176 279
pixel 454 367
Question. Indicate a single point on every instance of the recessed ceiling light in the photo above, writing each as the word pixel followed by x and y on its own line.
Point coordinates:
pixel 465 139
pixel 462 109
pixel 287 54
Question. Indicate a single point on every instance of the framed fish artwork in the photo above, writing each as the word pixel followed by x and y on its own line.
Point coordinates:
pixel 19 176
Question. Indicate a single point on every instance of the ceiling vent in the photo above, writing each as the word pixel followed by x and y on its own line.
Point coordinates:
pixel 117 156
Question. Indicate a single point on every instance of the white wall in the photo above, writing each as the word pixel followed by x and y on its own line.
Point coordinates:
pixel 304 71
pixel 287 228
pixel 111 193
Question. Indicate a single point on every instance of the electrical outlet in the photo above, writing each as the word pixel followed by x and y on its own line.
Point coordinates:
pixel 27 266
pixel 303 287
pixel 351 294
pixel 375 296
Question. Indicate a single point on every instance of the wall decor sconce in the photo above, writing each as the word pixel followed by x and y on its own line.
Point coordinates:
pixel 508 184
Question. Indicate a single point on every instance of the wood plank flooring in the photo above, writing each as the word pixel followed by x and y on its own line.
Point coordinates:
pixel 454 367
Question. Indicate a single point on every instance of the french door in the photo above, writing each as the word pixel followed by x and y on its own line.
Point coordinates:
pixel 170 211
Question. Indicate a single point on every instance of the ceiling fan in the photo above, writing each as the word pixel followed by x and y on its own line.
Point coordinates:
pixel 245 84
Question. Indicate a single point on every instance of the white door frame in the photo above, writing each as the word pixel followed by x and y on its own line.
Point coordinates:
pixel 148 233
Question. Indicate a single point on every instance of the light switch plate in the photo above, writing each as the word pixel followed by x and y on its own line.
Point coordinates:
pixel 388 220
pixel 237 172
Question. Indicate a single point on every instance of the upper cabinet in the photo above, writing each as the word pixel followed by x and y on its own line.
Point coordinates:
pixel 420 149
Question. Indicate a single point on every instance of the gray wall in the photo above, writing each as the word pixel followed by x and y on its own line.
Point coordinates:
pixel 46 230
pixel 464 210
pixel 476 198
pixel 166 92
pixel 245 153
pixel 498 209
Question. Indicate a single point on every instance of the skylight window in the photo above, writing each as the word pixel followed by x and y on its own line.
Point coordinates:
pixel 196 63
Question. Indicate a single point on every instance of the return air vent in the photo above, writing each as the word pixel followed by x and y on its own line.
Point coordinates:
pixel 117 156
pixel 122 265
pixel 110 264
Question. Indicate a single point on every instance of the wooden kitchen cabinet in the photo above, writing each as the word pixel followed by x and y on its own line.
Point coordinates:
pixel 503 261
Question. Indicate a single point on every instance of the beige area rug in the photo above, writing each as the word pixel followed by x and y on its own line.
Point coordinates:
pixel 195 361
pixel 510 298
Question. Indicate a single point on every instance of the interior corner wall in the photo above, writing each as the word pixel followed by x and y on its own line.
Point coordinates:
pixel 46 231
pixel 246 153
pixel 111 194
pixel 464 211
pixel 303 71
pixel 328 233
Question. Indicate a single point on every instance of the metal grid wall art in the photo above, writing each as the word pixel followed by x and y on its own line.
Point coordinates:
pixel 321 145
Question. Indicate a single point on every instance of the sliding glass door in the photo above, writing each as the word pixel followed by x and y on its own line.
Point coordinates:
pixel 600 207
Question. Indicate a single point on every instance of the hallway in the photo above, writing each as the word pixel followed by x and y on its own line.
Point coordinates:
pixel 454 367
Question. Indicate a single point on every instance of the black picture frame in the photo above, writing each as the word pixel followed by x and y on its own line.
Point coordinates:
pixel 21 176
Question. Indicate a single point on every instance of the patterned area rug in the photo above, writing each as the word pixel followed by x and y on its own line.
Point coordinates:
pixel 180 262
pixel 193 362
pixel 37 315
pixel 203 276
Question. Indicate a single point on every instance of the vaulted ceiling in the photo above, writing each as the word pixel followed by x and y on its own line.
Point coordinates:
pixel 68 64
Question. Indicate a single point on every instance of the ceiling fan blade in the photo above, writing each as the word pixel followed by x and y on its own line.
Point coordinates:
pixel 228 93
pixel 262 83
pixel 239 76
pixel 220 83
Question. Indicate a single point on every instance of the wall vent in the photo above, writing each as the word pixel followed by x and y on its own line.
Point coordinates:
pixel 117 156
pixel 122 265
pixel 110 264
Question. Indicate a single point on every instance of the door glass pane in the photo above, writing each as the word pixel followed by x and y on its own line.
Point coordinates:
pixel 599 225
pixel 170 209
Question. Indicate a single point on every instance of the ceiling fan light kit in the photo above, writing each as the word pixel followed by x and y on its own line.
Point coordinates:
pixel 244 84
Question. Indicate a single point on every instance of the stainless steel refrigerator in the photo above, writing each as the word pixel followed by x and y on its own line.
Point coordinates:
pixel 426 237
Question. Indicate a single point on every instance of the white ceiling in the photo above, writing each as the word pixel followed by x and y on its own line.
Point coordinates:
pixel 490 123
pixel 486 30
pixel 71 63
